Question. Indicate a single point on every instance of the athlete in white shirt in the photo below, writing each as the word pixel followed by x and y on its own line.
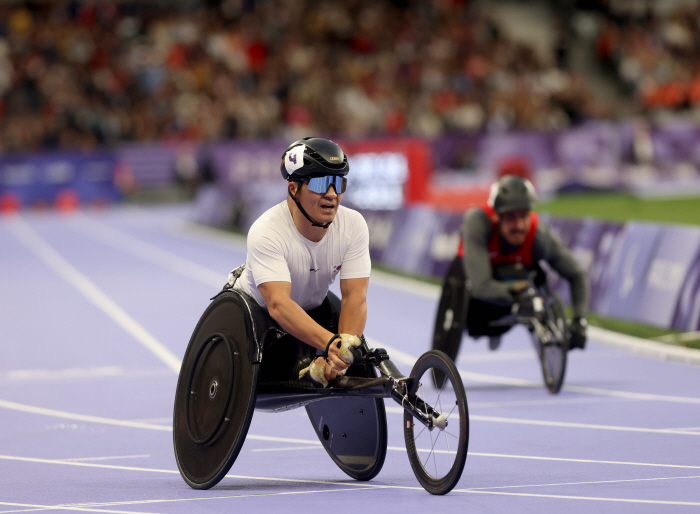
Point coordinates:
pixel 298 248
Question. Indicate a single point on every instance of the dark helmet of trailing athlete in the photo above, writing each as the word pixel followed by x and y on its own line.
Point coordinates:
pixel 512 192
pixel 313 157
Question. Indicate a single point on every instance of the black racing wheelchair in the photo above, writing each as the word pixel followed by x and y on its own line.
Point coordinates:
pixel 239 360
pixel 545 317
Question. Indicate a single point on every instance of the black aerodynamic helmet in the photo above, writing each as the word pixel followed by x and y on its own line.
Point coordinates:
pixel 313 157
pixel 512 192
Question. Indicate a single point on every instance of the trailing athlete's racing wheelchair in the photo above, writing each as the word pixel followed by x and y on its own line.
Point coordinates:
pixel 539 308
pixel 238 360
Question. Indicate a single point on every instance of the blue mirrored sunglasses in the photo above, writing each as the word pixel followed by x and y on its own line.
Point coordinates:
pixel 320 185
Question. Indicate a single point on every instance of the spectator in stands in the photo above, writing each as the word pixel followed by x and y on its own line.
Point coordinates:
pixel 81 75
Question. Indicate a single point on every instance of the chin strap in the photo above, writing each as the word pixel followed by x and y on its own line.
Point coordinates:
pixel 313 223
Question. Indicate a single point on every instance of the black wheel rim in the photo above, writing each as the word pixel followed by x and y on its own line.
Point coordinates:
pixel 209 389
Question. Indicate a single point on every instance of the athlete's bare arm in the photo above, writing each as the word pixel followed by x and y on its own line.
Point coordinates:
pixel 353 306
pixel 293 320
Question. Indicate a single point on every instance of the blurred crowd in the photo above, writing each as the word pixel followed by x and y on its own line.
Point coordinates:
pixel 86 74
pixel 653 48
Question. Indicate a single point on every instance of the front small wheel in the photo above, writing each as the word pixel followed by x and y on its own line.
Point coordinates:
pixel 438 451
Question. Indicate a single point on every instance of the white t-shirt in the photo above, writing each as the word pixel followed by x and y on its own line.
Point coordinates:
pixel 277 252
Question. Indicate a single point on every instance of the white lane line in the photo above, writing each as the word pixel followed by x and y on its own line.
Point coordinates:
pixel 350 484
pixel 52 374
pixel 129 244
pixel 631 395
pixel 590 498
pixel 115 457
pixel 80 417
pixel 27 236
pixel 311 442
pixel 75 509
pixel 501 356
pixel 150 426
pixel 408 359
pixel 341 488
pixel 582 461
pixel 520 421
pixel 549 402
pixel 559 484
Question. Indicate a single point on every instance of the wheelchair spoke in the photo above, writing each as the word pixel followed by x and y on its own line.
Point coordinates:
pixel 449 453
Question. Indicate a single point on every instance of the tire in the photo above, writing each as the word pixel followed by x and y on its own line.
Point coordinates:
pixel 451 314
pixel 554 349
pixel 215 396
pixel 437 456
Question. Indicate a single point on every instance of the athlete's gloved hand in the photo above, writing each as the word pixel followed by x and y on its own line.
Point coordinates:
pixel 528 303
pixel 320 373
pixel 345 347
pixel 315 372
pixel 577 332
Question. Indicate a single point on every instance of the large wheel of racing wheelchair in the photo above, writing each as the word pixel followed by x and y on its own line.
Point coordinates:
pixel 552 342
pixel 451 313
pixel 215 394
pixel 438 453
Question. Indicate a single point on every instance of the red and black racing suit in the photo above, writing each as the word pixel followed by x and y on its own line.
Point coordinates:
pixel 484 248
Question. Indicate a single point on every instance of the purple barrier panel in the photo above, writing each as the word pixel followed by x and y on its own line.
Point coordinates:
pixel 608 239
pixel 455 151
pixel 241 162
pixel 253 199
pixel 39 178
pixel 381 228
pixel 537 148
pixel 628 267
pixel 19 177
pixel 675 250
pixel 55 172
pixel 596 144
pixel 686 314
pixel 591 246
pixel 676 142
pixel 411 232
pixel 151 164
pixel 444 244
pixel 95 178
pixel 214 206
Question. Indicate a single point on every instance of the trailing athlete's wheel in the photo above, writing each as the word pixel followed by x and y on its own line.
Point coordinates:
pixel 452 313
pixel 554 346
pixel 215 395
pixel 437 452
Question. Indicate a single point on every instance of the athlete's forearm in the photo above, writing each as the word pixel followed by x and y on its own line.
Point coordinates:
pixel 353 315
pixel 295 321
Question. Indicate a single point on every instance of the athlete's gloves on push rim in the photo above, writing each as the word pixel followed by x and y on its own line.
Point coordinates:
pixel 315 372
pixel 528 303
pixel 346 344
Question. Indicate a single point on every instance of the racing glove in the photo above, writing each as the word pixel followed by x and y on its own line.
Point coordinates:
pixel 345 347
pixel 528 304
pixel 315 373
pixel 577 332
